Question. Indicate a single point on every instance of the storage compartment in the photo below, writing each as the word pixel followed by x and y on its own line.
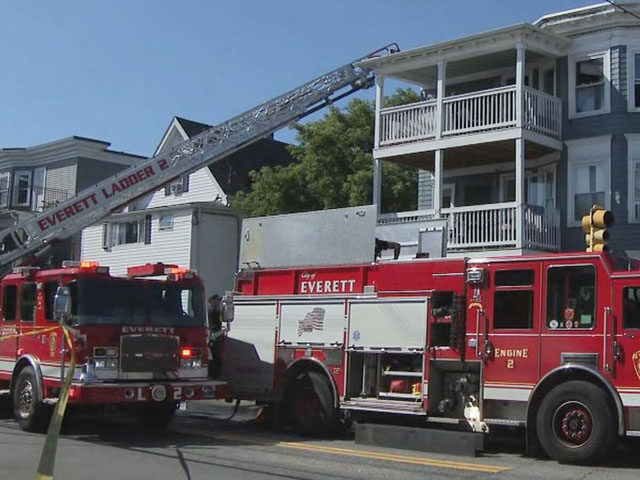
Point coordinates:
pixel 447 324
pixel 384 375
pixel 453 385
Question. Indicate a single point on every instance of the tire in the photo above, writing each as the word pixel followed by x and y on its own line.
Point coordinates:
pixel 575 423
pixel 32 415
pixel 156 416
pixel 311 405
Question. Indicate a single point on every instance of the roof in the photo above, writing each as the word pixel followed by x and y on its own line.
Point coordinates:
pixel 232 172
pixel 589 18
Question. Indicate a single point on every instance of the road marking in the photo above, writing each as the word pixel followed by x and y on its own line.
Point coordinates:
pixel 475 467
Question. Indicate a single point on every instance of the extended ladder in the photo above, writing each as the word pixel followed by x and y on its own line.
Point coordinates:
pixel 147 176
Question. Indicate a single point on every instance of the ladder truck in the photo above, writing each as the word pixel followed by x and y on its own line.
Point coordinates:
pixel 138 341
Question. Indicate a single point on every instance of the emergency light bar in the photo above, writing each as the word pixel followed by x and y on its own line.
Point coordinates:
pixel 85 265
pixel 149 270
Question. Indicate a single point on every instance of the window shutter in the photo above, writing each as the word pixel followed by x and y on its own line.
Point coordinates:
pixel 106 236
pixel 147 229
pixel 185 183
pixel 167 190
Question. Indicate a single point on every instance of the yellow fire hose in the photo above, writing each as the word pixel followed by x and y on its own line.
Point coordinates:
pixel 48 456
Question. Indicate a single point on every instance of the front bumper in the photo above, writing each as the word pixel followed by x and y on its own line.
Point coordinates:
pixel 139 392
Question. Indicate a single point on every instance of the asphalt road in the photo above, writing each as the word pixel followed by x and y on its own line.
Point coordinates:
pixel 199 447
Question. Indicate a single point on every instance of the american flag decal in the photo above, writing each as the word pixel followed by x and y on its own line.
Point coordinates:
pixel 314 320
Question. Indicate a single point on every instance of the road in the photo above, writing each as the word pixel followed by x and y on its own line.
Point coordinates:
pixel 198 447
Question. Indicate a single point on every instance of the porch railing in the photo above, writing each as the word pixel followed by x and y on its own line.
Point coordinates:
pixel 490 226
pixel 474 112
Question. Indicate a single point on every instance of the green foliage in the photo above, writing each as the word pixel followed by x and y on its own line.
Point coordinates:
pixel 333 167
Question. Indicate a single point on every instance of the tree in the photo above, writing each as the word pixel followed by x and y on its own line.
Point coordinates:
pixel 332 168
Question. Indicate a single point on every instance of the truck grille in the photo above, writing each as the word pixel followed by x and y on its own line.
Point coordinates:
pixel 149 353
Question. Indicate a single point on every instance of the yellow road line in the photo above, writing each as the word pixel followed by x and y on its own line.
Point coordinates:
pixel 476 467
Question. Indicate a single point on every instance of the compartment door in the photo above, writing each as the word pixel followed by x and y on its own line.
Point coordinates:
pixel 312 323
pixel 249 350
pixel 395 324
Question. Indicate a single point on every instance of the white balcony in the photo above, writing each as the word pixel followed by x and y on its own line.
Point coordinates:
pixel 491 226
pixel 476 112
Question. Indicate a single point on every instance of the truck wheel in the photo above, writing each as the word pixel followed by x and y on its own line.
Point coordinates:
pixel 156 416
pixel 312 405
pixel 575 423
pixel 32 415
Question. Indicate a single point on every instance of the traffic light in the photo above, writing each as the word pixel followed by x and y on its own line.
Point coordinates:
pixel 595 226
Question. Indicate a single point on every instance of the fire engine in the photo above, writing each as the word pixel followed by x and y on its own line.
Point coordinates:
pixel 138 341
pixel 547 342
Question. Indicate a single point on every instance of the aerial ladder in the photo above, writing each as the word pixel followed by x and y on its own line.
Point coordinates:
pixel 29 236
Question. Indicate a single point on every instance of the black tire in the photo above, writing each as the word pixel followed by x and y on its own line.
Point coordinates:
pixel 156 416
pixel 575 423
pixel 32 415
pixel 311 405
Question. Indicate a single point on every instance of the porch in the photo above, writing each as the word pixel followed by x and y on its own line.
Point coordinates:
pixel 471 113
pixel 494 226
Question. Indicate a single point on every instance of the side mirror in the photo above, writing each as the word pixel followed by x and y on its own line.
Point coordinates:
pixel 227 307
pixel 62 305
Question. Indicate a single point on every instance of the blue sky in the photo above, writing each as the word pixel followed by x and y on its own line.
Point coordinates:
pixel 119 70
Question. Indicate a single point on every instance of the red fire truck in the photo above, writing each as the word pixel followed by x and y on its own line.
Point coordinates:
pixel 550 343
pixel 138 342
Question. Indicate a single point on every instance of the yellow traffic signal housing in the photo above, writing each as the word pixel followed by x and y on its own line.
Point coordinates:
pixel 595 226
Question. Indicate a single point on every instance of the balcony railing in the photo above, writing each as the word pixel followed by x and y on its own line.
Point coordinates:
pixel 491 226
pixel 34 198
pixel 474 112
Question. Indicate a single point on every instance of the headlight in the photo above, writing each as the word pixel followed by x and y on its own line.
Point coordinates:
pixel 105 363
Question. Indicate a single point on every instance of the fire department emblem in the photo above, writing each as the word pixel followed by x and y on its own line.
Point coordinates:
pixel 314 320
pixel 635 359
pixel 53 343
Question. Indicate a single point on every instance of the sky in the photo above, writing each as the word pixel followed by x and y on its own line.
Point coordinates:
pixel 119 70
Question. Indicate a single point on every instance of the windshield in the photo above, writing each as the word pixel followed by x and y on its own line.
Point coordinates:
pixel 127 302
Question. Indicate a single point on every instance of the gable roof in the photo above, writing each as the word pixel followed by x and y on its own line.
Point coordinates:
pixel 232 172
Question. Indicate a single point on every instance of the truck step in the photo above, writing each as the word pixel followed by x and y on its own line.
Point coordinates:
pixel 468 444
pixel 385 406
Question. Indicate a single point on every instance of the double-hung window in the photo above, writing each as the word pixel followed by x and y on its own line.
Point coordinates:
pixel 634 80
pixel 588 79
pixel 4 189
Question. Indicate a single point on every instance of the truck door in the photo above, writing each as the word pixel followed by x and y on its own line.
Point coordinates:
pixel 8 327
pixel 626 347
pixel 573 317
pixel 511 353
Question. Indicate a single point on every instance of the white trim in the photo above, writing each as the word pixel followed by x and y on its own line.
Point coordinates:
pixel 591 150
pixel 606 68
pixel 633 157
pixel 506 393
pixel 632 51
pixel 630 399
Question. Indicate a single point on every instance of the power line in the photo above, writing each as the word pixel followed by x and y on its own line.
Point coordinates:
pixel 625 10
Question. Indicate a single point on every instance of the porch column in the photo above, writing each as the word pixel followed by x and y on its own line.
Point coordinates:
pixel 520 74
pixel 520 147
pixel 519 180
pixel 377 164
pixel 442 70
pixel 437 185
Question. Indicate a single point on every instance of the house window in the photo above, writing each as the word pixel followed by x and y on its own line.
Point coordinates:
pixel 589 188
pixel 571 301
pixel 4 189
pixel 22 188
pixel 165 222
pixel 588 77
pixel 539 188
pixel 134 231
pixel 177 187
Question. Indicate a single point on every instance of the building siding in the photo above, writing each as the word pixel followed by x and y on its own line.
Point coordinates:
pixel 202 188
pixel 62 176
pixel 167 246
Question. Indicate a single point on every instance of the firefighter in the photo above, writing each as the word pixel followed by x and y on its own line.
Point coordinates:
pixel 214 313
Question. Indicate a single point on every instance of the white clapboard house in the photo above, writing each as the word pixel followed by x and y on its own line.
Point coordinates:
pixel 189 222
